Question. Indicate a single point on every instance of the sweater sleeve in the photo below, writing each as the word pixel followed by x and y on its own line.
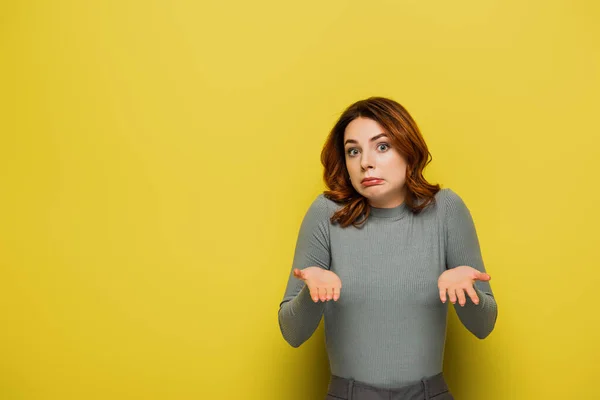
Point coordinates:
pixel 299 315
pixel 462 248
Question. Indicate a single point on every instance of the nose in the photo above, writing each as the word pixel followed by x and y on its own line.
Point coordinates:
pixel 366 161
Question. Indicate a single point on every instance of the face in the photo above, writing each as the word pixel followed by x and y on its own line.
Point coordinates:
pixel 377 171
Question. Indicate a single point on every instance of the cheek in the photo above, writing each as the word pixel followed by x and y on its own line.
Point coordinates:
pixel 396 165
pixel 354 173
pixel 351 168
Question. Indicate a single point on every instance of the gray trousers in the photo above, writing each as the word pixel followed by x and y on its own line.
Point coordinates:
pixel 429 388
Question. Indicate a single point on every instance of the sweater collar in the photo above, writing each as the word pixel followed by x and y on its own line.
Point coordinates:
pixel 394 212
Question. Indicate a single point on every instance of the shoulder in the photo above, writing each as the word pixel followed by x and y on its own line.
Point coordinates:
pixel 454 208
pixel 448 198
pixel 322 203
pixel 450 203
pixel 321 209
pixel 316 222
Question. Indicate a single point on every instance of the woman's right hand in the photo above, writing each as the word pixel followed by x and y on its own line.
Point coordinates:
pixel 323 284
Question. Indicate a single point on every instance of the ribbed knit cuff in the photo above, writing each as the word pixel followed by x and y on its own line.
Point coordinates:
pixel 478 318
pixel 299 317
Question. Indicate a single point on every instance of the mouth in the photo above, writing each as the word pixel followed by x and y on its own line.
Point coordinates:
pixel 371 181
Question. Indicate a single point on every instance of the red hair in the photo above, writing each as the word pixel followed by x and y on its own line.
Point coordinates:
pixel 405 137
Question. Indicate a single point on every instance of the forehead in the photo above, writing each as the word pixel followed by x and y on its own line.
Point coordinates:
pixel 362 129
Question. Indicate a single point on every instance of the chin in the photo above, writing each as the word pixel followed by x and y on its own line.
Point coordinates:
pixel 373 197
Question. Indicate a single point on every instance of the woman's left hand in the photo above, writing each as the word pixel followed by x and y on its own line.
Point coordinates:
pixel 457 280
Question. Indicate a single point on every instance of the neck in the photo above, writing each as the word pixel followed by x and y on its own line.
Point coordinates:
pixel 389 202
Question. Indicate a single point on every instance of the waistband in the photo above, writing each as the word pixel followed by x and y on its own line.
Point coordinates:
pixel 426 388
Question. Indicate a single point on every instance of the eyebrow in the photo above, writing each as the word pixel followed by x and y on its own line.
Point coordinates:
pixel 371 140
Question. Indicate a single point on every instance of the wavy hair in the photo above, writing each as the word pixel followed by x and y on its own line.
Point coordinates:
pixel 404 136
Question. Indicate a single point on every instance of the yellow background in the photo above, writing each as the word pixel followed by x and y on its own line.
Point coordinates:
pixel 156 160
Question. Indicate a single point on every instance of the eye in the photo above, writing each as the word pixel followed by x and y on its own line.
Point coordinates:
pixel 383 146
pixel 352 152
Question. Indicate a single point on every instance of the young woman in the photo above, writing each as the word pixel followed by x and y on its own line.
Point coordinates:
pixel 378 255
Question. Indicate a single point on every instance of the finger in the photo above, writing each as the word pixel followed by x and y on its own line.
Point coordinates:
pixel 329 294
pixel 326 294
pixel 314 294
pixel 473 295
pixel 322 294
pixel 461 297
pixel 482 276
pixel 336 294
pixel 443 295
pixel 452 294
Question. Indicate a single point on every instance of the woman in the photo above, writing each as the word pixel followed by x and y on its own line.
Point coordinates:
pixel 378 255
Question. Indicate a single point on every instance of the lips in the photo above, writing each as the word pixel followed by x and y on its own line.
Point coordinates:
pixel 371 181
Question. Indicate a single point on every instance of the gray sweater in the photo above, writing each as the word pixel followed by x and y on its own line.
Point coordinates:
pixel 388 327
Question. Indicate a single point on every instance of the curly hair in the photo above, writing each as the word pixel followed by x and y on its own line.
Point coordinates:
pixel 405 138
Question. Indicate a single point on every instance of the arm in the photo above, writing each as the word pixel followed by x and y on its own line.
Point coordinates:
pixel 462 248
pixel 298 314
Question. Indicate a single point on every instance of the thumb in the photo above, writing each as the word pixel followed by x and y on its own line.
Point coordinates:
pixel 482 276
pixel 299 273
